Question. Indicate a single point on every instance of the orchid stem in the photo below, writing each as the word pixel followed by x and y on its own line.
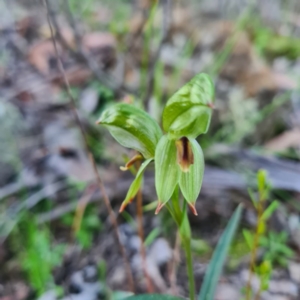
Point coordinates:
pixel 180 217
pixel 185 232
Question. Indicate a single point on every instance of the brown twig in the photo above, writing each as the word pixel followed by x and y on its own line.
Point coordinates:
pixel 165 31
pixel 111 213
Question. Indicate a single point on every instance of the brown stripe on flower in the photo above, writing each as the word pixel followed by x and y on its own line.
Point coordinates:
pixel 185 156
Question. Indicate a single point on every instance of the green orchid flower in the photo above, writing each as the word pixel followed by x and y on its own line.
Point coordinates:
pixel 177 155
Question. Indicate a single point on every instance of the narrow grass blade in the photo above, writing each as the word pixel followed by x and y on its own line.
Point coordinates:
pixel 216 265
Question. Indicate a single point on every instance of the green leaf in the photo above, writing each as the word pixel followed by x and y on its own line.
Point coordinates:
pixel 286 250
pixel 263 241
pixel 190 182
pixel 270 210
pixel 120 295
pixel 136 184
pixel 200 246
pixel 252 197
pixel 248 237
pixel 215 266
pixel 132 128
pixel 166 170
pixel 188 111
pixel 262 181
pixel 92 222
pixel 152 237
pixel 265 268
pixel 153 297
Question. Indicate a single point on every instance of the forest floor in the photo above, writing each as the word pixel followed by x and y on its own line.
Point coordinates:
pixel 55 234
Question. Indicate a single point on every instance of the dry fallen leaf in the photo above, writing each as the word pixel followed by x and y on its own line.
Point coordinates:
pixel 98 40
pixel 43 57
pixel 103 46
pixel 284 141
pixel 65 31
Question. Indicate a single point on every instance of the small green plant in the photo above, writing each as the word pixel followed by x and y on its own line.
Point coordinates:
pixel 260 236
pixel 178 158
pixel 38 256
pixel 276 248
pixel 89 225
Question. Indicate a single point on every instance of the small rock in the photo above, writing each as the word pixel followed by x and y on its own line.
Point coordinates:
pixel 152 270
pixel 294 270
pixel 134 243
pixel 255 282
pixel 81 296
pixel 283 287
pixel 126 231
pixel 90 273
pixel 89 100
pixel 227 291
pixel 160 252
pixel 269 296
pixel 118 277
pixel 76 283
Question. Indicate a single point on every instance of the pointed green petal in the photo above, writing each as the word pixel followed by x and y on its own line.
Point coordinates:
pixel 136 184
pixel 188 111
pixel 132 128
pixel 190 182
pixel 166 170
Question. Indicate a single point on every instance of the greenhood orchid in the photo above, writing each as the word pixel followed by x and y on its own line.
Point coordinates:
pixel 177 155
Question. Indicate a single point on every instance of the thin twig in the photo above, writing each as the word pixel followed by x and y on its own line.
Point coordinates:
pixel 111 213
pixel 165 32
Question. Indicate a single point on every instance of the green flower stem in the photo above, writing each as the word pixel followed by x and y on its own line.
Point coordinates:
pixel 176 206
pixel 180 217
pixel 190 271
pixel 185 234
